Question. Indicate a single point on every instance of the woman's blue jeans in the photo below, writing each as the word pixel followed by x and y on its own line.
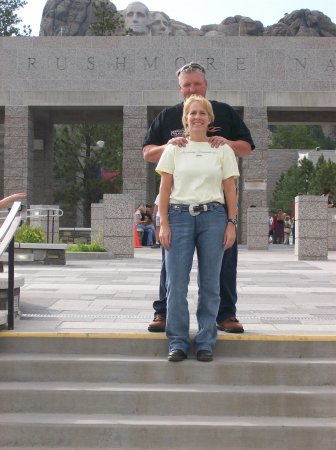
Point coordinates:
pixel 205 233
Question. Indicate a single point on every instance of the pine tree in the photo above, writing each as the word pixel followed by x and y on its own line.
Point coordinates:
pixel 9 19
pixel 108 20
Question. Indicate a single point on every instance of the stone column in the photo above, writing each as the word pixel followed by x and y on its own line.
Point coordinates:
pixel 2 135
pixel 43 164
pixel 311 227
pixel 18 151
pixel 257 228
pixel 331 229
pixel 119 225
pixel 253 179
pixel 135 170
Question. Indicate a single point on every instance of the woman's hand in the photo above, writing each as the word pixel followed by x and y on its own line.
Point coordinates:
pixel 229 235
pixel 165 236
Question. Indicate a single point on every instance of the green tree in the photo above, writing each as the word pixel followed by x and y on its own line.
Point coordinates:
pixel 324 176
pixel 293 136
pixel 78 161
pixel 108 19
pixel 296 180
pixel 9 19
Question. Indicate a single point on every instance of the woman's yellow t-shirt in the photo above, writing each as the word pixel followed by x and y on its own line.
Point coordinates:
pixel 198 171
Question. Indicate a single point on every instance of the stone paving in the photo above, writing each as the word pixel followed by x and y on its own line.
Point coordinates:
pixel 278 295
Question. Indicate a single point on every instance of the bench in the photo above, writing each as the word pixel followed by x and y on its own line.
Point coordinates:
pixel 48 254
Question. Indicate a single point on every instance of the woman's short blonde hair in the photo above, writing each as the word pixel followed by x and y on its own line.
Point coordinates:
pixel 204 103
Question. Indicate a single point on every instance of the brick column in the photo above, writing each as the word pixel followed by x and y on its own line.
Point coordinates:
pixel 253 180
pixel 136 178
pixel 311 227
pixel 18 151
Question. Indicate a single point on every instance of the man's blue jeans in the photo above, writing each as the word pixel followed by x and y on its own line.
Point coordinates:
pixel 228 286
pixel 205 233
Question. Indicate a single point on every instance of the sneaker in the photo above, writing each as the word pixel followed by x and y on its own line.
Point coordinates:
pixel 230 325
pixel 158 325
pixel 156 245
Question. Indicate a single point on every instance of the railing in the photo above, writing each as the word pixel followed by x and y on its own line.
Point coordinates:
pixel 7 231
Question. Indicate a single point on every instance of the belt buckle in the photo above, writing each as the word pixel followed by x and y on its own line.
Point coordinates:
pixel 192 212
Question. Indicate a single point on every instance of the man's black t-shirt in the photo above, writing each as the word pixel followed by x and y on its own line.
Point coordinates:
pixel 168 124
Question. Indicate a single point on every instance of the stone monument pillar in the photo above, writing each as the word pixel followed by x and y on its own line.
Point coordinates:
pixel 119 225
pixel 18 150
pixel 43 164
pixel 2 136
pixel 311 227
pixel 253 180
pixel 135 170
pixel 257 228
pixel 332 229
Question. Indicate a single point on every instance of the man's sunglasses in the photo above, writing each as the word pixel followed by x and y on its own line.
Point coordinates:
pixel 190 66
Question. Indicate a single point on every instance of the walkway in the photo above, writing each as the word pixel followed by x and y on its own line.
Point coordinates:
pixel 278 295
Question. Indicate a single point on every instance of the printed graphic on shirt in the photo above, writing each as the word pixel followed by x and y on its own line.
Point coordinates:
pixel 177 133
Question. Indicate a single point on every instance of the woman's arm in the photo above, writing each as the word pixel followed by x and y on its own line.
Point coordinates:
pixel 165 191
pixel 12 198
pixel 230 194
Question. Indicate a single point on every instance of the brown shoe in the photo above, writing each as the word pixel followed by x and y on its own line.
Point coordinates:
pixel 158 325
pixel 230 325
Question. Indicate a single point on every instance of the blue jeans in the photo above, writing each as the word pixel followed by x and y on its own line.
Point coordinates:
pixel 228 286
pixel 205 232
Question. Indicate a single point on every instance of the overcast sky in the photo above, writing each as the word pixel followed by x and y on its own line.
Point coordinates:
pixel 197 13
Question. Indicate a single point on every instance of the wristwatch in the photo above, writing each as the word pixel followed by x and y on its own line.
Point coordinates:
pixel 234 221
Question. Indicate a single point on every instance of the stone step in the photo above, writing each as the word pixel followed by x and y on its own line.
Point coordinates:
pixel 110 368
pixel 151 344
pixel 166 432
pixel 163 399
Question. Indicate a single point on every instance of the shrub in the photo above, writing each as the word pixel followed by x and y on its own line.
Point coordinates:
pixel 82 247
pixel 29 235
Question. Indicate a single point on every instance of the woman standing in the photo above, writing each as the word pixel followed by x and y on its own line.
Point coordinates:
pixel 192 215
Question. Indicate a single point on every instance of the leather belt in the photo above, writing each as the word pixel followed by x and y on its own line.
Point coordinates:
pixel 194 209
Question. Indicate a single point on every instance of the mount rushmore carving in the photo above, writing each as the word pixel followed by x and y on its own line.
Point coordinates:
pixel 74 17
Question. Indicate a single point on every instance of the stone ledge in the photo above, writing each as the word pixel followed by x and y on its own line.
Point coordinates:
pixel 40 246
pixel 18 280
pixel 78 256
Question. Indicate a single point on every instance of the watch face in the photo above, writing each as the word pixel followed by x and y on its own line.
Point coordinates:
pixel 234 221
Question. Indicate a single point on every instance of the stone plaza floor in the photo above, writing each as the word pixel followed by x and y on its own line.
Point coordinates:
pixel 277 294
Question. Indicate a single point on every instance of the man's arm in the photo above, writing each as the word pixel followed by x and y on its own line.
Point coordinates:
pixel 152 153
pixel 240 148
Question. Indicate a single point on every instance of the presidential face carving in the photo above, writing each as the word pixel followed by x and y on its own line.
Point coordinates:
pixel 137 18
pixel 160 24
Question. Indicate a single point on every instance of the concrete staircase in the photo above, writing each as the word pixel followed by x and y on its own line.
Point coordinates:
pixel 119 392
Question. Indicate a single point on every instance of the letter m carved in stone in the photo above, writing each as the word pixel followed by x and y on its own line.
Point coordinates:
pixel 152 65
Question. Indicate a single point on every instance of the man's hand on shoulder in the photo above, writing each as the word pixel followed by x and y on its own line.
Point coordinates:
pixel 152 153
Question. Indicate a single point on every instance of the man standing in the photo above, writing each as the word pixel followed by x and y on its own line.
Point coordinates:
pixel 228 128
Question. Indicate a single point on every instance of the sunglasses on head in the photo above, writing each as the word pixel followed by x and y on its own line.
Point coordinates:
pixel 190 66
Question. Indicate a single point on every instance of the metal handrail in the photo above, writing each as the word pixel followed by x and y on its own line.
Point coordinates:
pixel 7 232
